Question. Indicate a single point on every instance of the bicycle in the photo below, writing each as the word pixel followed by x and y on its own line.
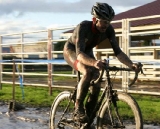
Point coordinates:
pixel 107 112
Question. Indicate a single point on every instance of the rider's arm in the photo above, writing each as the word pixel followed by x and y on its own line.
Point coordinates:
pixel 85 59
pixel 122 57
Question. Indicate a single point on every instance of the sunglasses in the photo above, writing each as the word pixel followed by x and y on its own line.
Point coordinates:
pixel 103 21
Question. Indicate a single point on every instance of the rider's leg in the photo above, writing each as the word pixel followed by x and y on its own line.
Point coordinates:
pixel 82 90
pixel 94 93
pixel 92 99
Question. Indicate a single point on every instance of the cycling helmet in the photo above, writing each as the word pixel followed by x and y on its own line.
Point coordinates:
pixel 103 11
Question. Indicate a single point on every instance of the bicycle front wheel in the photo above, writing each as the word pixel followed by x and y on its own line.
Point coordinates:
pixel 129 113
pixel 62 112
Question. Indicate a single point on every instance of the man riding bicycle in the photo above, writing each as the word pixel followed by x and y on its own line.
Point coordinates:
pixel 78 53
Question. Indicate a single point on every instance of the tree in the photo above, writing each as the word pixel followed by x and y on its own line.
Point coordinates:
pixel 59 46
pixel 147 42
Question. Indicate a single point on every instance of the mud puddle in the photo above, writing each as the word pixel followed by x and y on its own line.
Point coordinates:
pixel 32 118
pixel 28 118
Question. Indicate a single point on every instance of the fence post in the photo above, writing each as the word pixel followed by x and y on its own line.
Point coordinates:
pixel 1 66
pixel 49 49
pixel 128 45
pixel 13 79
pixel 125 46
pixel 120 44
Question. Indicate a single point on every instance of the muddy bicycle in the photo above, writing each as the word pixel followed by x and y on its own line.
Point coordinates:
pixel 114 110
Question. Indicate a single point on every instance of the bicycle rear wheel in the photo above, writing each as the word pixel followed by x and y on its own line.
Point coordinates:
pixel 128 110
pixel 62 112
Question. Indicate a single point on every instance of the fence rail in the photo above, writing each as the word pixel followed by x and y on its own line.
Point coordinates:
pixel 23 46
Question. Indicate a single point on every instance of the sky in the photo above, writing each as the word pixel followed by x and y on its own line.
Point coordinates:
pixel 31 15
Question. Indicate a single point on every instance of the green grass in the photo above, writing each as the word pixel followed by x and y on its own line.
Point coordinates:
pixel 39 96
pixel 35 96
pixel 149 106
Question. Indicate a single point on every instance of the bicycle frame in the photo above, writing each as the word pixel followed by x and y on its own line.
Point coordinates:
pixel 110 95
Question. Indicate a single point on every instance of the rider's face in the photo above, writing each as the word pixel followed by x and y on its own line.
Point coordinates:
pixel 102 25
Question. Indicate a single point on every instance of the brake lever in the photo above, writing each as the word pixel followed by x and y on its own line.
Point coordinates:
pixel 142 71
pixel 135 78
pixel 140 66
pixel 136 73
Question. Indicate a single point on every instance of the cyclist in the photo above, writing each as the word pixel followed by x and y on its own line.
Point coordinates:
pixel 78 53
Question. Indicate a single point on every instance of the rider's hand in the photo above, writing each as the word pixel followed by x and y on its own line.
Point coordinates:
pixel 100 64
pixel 136 67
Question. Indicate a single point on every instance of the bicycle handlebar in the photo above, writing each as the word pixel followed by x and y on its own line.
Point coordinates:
pixel 114 68
pixel 136 74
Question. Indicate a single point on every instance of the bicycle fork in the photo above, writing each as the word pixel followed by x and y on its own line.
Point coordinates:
pixel 114 101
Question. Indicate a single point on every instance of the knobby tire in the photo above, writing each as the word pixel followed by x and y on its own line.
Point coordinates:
pixel 57 109
pixel 126 100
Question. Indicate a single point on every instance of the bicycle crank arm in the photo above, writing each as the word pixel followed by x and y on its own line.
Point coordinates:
pixel 84 126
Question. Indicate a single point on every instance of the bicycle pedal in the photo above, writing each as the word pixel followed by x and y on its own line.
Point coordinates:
pixel 67 120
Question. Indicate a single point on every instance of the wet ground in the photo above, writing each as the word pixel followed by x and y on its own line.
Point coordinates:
pixel 28 118
pixel 31 118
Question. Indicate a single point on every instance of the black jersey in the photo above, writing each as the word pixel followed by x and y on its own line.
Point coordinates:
pixel 85 37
